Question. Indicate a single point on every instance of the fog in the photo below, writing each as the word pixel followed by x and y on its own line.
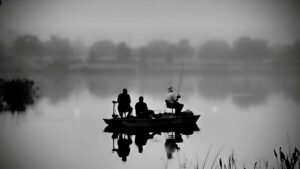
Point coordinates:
pixel 62 63
pixel 29 53
pixel 137 22
pixel 99 35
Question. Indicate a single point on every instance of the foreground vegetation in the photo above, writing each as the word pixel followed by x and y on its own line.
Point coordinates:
pixel 16 95
pixel 289 160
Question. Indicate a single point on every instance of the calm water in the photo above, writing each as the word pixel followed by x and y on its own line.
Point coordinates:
pixel 249 114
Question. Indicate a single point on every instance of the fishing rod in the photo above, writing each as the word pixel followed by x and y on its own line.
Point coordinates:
pixel 180 77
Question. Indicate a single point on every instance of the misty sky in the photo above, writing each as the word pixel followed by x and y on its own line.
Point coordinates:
pixel 138 21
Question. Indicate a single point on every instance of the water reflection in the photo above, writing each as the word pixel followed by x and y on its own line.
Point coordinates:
pixel 141 139
pixel 274 113
pixel 122 138
pixel 57 87
pixel 171 144
pixel 245 90
pixel 124 142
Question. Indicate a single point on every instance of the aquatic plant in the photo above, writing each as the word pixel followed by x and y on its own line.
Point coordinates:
pixel 231 163
pixel 16 94
pixel 290 160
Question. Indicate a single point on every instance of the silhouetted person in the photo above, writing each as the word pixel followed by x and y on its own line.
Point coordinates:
pixel 172 101
pixel 124 103
pixel 141 140
pixel 141 109
pixel 123 147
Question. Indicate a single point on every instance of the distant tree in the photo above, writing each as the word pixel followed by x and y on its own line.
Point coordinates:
pixel 141 54
pixel 159 50
pixel 296 51
pixel 2 48
pixel 102 50
pixel 183 50
pixel 79 50
pixel 3 56
pixel 123 52
pixel 8 36
pixel 28 46
pixel 215 50
pixel 59 48
pixel 286 56
pixel 250 50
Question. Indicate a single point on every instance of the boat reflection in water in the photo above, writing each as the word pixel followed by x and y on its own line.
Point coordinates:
pixel 123 137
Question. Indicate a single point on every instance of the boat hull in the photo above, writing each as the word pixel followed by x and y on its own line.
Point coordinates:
pixel 187 130
pixel 156 122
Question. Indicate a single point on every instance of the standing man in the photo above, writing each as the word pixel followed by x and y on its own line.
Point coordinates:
pixel 172 101
pixel 124 103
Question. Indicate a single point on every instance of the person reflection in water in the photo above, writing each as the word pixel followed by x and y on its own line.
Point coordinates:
pixel 141 140
pixel 171 145
pixel 172 101
pixel 141 109
pixel 124 143
pixel 124 103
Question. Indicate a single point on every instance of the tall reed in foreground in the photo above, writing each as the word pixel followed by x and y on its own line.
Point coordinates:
pixel 290 160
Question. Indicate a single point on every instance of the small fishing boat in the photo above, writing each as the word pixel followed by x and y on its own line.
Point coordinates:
pixel 185 118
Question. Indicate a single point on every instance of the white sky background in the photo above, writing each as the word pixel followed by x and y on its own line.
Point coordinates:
pixel 139 21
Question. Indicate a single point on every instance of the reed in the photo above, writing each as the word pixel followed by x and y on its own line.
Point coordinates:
pixel 206 157
pixel 289 160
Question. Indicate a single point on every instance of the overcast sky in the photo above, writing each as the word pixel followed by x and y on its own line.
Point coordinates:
pixel 138 21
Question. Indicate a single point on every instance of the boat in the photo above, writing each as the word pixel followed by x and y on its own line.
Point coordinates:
pixel 162 120
pixel 122 135
pixel 186 130
pixel 184 119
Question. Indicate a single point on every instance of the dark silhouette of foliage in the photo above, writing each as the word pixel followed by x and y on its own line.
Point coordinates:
pixel 16 94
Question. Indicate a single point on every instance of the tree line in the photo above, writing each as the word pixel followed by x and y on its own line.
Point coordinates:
pixel 30 51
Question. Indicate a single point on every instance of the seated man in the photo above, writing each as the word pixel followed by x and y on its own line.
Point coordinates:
pixel 142 110
pixel 172 101
pixel 124 103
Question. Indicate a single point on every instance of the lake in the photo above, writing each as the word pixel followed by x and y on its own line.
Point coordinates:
pixel 247 114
